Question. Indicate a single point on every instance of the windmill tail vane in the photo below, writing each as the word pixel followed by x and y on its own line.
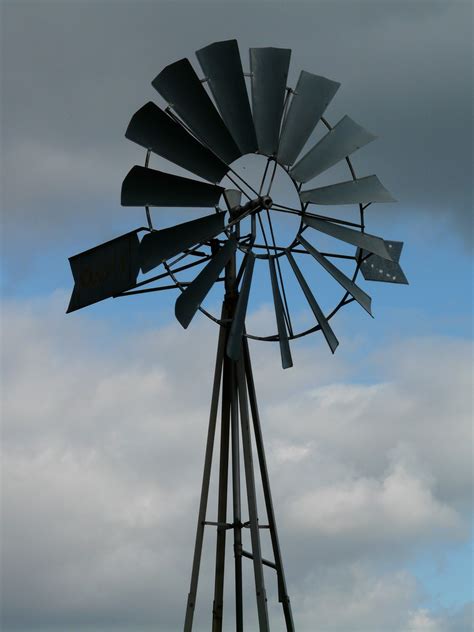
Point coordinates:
pixel 207 127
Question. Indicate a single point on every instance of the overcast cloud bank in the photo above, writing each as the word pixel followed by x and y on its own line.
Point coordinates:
pixel 102 460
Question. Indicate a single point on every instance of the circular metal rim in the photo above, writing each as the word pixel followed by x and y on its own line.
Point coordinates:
pixel 343 300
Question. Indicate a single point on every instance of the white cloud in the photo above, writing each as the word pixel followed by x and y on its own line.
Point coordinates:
pixel 103 446
pixel 421 621
pixel 399 502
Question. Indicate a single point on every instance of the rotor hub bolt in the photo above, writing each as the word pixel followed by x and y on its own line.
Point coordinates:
pixel 266 201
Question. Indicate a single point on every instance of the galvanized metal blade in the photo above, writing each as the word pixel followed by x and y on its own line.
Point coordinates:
pixel 153 129
pixel 180 86
pixel 269 70
pixel 343 140
pixel 234 343
pixel 104 271
pixel 160 245
pixel 190 300
pixel 354 290
pixel 148 187
pixel 222 67
pixel 320 317
pixel 375 268
pixel 285 352
pixel 363 240
pixel 310 99
pixel 360 191
pixel 232 198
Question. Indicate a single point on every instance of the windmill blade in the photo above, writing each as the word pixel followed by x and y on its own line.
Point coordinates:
pixel 104 271
pixel 320 317
pixel 360 191
pixel 374 268
pixel 153 129
pixel 148 187
pixel 343 140
pixel 354 290
pixel 310 99
pixel 180 86
pixel 234 342
pixel 285 352
pixel 232 198
pixel 189 301
pixel 222 67
pixel 269 70
pixel 363 240
pixel 160 245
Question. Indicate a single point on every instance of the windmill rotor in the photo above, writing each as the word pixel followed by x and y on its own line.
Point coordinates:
pixel 205 133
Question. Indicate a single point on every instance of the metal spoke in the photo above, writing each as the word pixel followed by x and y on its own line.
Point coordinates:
pixel 285 303
pixel 264 176
pixel 167 274
pixel 269 255
pixel 287 208
pixel 279 209
pixel 189 251
pixel 272 178
pixel 150 289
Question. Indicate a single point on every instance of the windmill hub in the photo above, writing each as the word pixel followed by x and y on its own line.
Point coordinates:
pixel 266 201
pixel 253 206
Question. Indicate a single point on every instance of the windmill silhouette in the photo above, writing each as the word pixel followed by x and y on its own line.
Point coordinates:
pixel 206 128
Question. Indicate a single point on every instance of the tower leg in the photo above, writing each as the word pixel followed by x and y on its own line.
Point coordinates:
pixel 252 501
pixel 218 604
pixel 188 624
pixel 239 625
pixel 283 597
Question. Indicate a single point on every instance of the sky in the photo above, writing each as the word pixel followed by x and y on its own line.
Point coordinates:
pixel 104 411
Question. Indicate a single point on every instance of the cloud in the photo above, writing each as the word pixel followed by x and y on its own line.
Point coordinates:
pixel 64 154
pixel 398 503
pixel 103 444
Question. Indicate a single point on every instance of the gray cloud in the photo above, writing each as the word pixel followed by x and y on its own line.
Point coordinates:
pixel 102 462
pixel 74 72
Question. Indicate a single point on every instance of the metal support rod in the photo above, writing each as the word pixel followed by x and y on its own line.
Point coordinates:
pixel 252 501
pixel 282 590
pixel 264 561
pixel 228 407
pixel 188 624
pixel 236 503
pixel 218 604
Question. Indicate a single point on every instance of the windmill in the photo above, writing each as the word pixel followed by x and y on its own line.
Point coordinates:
pixel 206 128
